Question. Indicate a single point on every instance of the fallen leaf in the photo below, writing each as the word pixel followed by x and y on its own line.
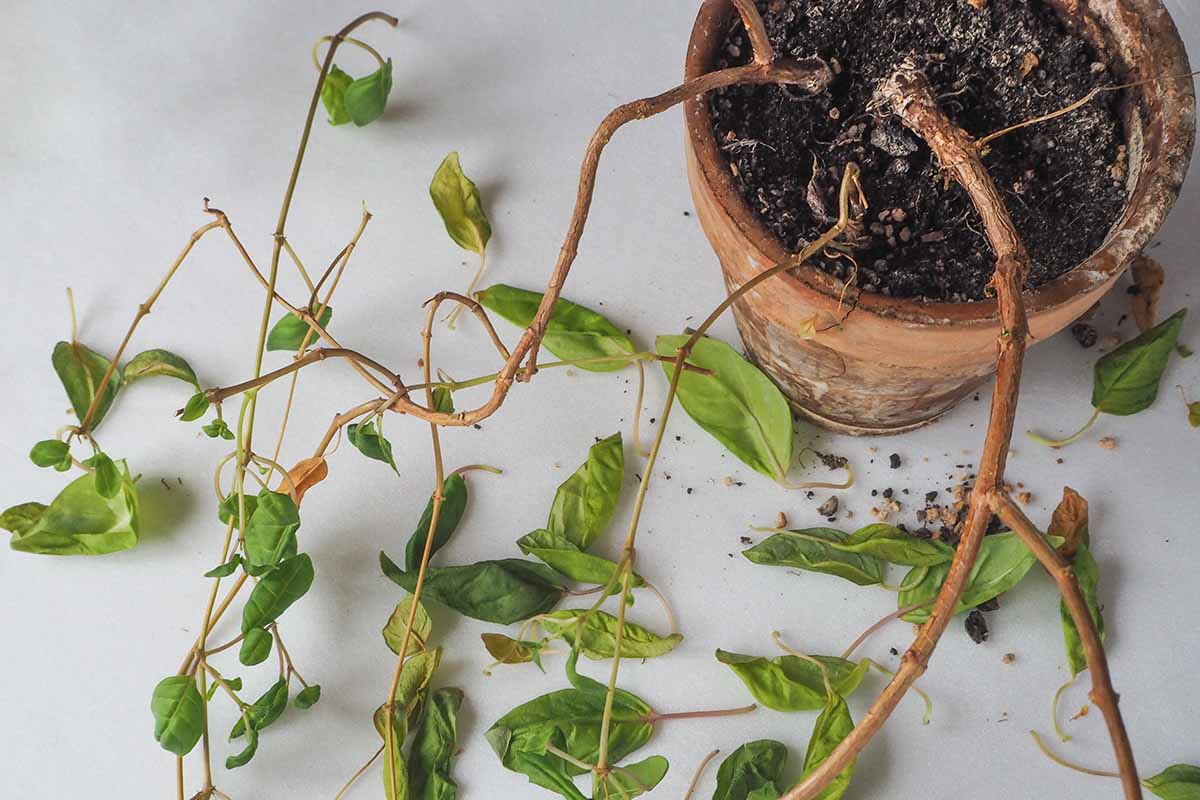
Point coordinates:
pixel 1148 279
pixel 1070 521
pixel 1029 63
pixel 305 475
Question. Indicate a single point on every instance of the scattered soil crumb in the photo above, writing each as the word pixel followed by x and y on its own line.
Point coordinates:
pixel 1024 498
pixel 1008 658
pixel 781 520
pixel 829 507
pixel 1108 443
pixel 977 627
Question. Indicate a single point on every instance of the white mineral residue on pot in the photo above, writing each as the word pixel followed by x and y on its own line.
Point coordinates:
pixel 818 388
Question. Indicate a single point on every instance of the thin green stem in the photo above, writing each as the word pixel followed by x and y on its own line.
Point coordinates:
pixel 778 637
pixel 899 612
pixel 71 310
pixel 1063 737
pixel 452 317
pixel 1062 762
pixel 720 712
pixel 1057 443
pixel 928 701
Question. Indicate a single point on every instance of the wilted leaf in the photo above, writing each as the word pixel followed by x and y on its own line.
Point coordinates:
pixel 81 370
pixel 307 473
pixel 458 202
pixel 159 362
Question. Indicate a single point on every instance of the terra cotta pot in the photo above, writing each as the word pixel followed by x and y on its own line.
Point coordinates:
pixel 897 364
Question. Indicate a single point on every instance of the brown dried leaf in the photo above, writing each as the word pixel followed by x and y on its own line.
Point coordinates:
pixel 980 4
pixel 1148 279
pixel 1070 521
pixel 305 475
pixel 1029 63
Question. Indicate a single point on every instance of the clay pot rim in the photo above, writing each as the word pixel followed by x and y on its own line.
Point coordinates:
pixel 1149 201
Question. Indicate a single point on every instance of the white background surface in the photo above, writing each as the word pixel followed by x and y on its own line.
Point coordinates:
pixel 117 120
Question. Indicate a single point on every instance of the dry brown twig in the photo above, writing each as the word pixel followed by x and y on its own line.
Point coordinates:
pixel 909 96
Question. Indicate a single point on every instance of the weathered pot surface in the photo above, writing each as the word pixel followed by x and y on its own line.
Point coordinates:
pixel 895 364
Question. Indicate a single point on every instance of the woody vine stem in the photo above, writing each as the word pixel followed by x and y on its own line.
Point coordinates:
pixel 908 96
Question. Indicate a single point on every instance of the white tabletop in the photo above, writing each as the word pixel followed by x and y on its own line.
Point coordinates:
pixel 117 122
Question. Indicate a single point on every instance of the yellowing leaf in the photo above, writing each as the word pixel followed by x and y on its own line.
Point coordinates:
pixel 457 201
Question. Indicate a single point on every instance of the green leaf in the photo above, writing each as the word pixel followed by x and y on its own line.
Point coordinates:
pixel 21 518
pixel 333 95
pixel 243 758
pixel 1126 380
pixel 233 683
pixel 752 771
pixel 585 502
pixel 790 683
pixel 229 508
pixel 366 98
pixel 159 362
pixel 178 712
pixel 598 637
pixel 568 560
pixel 507 650
pixel 196 407
pixel 569 719
pixel 738 404
pixel 889 543
pixel 80 521
pixel 457 200
pixel 573 332
pixel 443 400
pixel 813 549
pixel 368 442
pixel 1003 561
pixel 454 505
pixel 1180 782
pixel 504 591
pixel 226 569
pixel 1194 414
pixel 278 589
pixel 1087 573
pixel 433 748
pixel 289 332
pixel 266 709
pixel 51 453
pixel 107 474
pixel 393 631
pixel 80 369
pixel 833 725
pixel 271 532
pixel 256 646
pixel 218 429
pixel 309 696
pixel 629 781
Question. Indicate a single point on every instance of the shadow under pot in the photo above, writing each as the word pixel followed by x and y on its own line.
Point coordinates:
pixel 883 364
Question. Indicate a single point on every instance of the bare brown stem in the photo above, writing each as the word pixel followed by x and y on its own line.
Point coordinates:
pixel 219 395
pixel 1102 694
pixel 756 30
pixel 908 95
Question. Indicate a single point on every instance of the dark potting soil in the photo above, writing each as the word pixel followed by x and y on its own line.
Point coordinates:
pixel 1062 180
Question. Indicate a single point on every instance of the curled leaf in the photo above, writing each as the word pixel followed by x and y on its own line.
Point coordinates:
pixel 80 521
pixel 1087 573
pixel 333 95
pixel 585 502
pixel 393 631
pixel 458 202
pixel 752 771
pixel 81 370
pixel 510 651
pixel 370 443
pixel 454 505
pixel 265 710
pixel 159 362
pixel 833 725
pixel 277 590
pixel 271 534
pixel 597 638
pixel 565 558
pixel 309 696
pixel 365 99
pixel 737 403
pixel 1070 521
pixel 434 747
pixel 306 474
